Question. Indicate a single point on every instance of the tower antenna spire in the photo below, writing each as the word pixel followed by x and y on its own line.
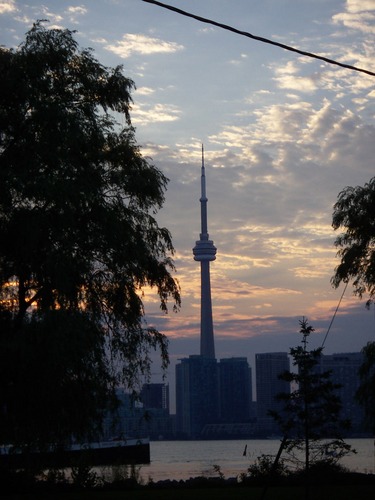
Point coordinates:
pixel 204 252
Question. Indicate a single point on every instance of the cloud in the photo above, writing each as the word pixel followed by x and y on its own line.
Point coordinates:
pixel 359 15
pixel 238 61
pixel 147 114
pixel 358 21
pixel 291 143
pixel 75 11
pixel 8 6
pixel 287 78
pixel 360 5
pixel 144 91
pixel 141 44
pixel 54 19
pixel 271 183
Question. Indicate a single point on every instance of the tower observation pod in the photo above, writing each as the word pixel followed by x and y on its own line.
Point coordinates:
pixel 205 252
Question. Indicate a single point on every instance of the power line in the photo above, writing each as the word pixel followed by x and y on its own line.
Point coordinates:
pixel 334 315
pixel 259 38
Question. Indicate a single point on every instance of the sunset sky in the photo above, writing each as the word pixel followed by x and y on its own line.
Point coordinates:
pixel 283 135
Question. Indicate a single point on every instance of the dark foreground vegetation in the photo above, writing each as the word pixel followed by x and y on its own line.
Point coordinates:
pixel 85 484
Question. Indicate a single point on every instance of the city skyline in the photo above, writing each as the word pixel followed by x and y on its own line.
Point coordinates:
pixel 283 135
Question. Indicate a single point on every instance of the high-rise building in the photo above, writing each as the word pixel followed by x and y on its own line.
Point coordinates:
pixel 196 395
pixel 344 369
pixel 155 396
pixel 268 367
pixel 235 392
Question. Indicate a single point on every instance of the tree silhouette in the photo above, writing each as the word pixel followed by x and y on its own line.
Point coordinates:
pixel 355 212
pixel 310 420
pixel 79 241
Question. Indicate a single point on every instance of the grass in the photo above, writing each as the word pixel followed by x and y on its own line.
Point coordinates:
pixel 365 492
pixel 325 484
pixel 232 492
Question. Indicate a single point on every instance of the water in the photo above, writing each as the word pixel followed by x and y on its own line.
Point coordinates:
pixel 185 459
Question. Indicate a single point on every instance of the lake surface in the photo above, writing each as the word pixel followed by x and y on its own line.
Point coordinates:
pixel 185 459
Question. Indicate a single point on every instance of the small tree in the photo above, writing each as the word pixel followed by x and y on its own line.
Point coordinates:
pixel 310 420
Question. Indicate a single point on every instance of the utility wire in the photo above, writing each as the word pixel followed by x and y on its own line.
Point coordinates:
pixel 334 315
pixel 259 38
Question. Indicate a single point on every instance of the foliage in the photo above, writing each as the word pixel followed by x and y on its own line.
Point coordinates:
pixel 83 476
pixel 265 467
pixel 54 477
pixel 326 453
pixel 310 419
pixel 326 469
pixel 79 241
pixel 355 212
pixel 48 370
pixel 366 391
pixel 126 475
pixel 219 472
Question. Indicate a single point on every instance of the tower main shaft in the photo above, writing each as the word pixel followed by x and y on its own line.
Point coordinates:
pixel 204 252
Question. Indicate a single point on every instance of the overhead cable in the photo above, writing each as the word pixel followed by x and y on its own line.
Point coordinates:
pixel 259 38
pixel 334 315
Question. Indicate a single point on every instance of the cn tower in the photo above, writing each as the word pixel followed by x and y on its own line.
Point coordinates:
pixel 204 252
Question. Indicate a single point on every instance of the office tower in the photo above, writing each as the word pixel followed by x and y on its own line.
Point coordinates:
pixel 235 393
pixel 196 395
pixel 205 252
pixel 155 419
pixel 268 367
pixel 344 372
pixel 155 396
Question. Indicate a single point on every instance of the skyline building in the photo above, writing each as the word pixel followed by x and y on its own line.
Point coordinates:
pixel 235 391
pixel 197 401
pixel 205 252
pixel 344 369
pixel 268 367
pixel 155 395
